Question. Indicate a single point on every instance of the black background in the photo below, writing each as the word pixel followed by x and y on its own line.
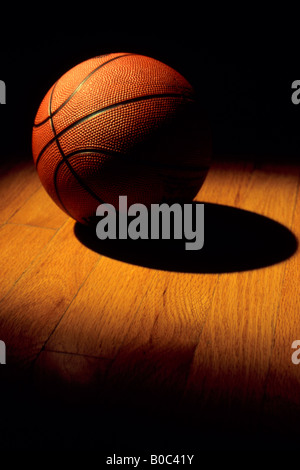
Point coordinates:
pixel 243 81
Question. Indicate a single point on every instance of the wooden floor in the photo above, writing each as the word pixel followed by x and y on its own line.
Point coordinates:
pixel 153 355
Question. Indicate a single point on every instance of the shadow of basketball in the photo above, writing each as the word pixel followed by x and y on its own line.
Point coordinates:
pixel 234 240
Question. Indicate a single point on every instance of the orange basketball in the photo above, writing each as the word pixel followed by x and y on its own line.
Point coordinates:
pixel 119 124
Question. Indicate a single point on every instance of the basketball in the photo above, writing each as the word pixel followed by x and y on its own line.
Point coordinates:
pixel 120 124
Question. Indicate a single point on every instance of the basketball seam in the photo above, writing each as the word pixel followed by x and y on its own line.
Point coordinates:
pixel 65 160
pixel 54 133
pixel 108 108
pixel 77 88
pixel 99 151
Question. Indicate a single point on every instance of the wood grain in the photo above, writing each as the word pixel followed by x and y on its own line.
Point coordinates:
pixel 72 377
pixel 151 324
pixel 213 346
pixel 17 183
pixel 25 243
pixel 39 210
pixel 225 182
pixel 33 307
pixel 282 397
pixel 157 351
pixel 233 354
pixel 102 312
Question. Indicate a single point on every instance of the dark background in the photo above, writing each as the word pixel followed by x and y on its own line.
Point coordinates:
pixel 242 81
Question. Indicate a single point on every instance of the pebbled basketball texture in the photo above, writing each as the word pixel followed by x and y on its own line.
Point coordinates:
pixel 119 124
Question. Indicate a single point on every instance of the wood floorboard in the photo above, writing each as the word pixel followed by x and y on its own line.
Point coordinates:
pixel 233 355
pixel 282 397
pixel 40 211
pixel 213 346
pixel 17 183
pixel 33 307
pixel 25 243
